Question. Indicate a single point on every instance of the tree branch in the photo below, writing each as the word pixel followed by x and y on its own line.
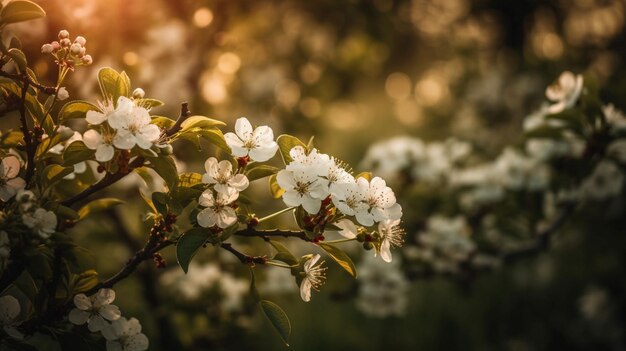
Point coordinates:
pixel 152 246
pixel 245 259
pixel 108 179
pixel 184 114
pixel 26 79
pixel 29 141
pixel 251 232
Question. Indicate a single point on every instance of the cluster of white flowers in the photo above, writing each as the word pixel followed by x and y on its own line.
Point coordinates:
pixel 9 316
pixel 408 158
pixel 313 177
pixel 218 201
pixel 123 125
pixel 204 280
pixel 383 289
pixel 101 316
pixel 445 243
pixel 41 221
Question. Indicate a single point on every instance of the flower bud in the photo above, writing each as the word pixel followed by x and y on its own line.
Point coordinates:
pixel 80 40
pixel 55 45
pixel 139 93
pixel 65 43
pixel 75 48
pixel 62 94
pixel 47 49
pixel 82 52
pixel 87 60
pixel 64 34
pixel 368 245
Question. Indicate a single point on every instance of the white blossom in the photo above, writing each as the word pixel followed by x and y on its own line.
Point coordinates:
pixel 565 91
pixel 348 229
pixel 617 149
pixel 62 94
pixel 132 128
pixel 445 242
pixel 380 202
pixel 10 183
pixel 349 198
pixel 43 222
pixel 221 174
pixel 383 288
pixel 9 312
pixel 391 235
pixel 125 335
pixel 218 210
pixel 95 310
pixel 106 110
pixel 101 142
pixel 302 187
pixel 314 277
pixel 257 143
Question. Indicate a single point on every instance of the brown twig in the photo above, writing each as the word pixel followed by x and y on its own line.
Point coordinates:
pixel 251 232
pixel 26 79
pixel 245 259
pixel 184 114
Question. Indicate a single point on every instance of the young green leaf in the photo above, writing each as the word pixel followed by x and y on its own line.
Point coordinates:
pixel 261 171
pixel 189 244
pixel 98 206
pixel 54 173
pixel 76 152
pixel 166 168
pixel 275 189
pixel 283 254
pixel 340 257
pixel 112 84
pixel 285 143
pixel 76 109
pixel 19 11
pixel 200 122
pixel 278 318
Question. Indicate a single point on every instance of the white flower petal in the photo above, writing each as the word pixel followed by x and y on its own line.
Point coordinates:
pixel 104 152
pixel 305 290
pixel 96 323
pixel 110 312
pixel 243 128
pixel 78 317
pixel 82 302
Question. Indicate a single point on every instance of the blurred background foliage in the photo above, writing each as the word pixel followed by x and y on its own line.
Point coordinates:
pixel 351 73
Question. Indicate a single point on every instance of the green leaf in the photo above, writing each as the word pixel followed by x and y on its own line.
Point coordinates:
pixel 283 254
pixel 12 139
pixel 340 257
pixel 149 103
pixel 98 206
pixel 200 122
pixel 215 137
pixel 85 281
pixel 189 244
pixel 163 122
pixel 19 58
pixel 76 109
pixel 285 143
pixel 54 173
pixel 275 189
pixel 76 152
pixel 189 179
pixel 112 84
pixel 261 171
pixel 20 10
pixel 278 318
pixel 166 168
